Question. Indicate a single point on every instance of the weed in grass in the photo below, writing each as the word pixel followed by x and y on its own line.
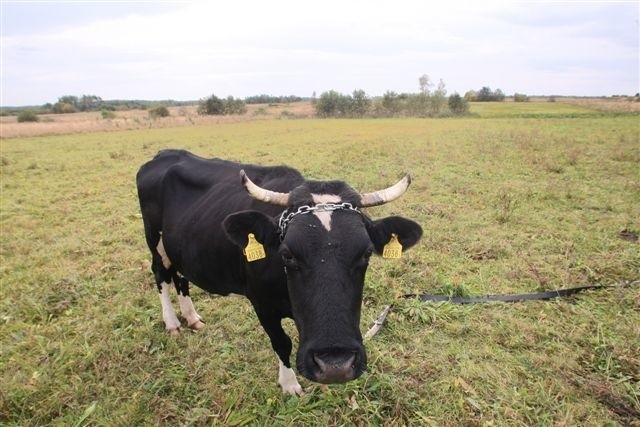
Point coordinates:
pixel 505 204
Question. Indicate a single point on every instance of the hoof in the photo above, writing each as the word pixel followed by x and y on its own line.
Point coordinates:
pixel 174 332
pixel 197 325
pixel 294 391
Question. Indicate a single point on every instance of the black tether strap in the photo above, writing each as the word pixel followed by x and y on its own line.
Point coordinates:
pixel 515 297
pixel 377 324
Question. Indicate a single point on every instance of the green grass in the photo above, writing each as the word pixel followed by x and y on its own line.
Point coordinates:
pixel 507 205
pixel 535 109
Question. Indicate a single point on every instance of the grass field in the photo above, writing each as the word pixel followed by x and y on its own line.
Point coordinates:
pixel 507 205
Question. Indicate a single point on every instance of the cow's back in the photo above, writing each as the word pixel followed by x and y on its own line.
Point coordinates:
pixel 185 198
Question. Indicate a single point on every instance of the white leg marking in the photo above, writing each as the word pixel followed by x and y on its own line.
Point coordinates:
pixel 189 312
pixel 163 254
pixel 171 322
pixel 288 381
pixel 325 217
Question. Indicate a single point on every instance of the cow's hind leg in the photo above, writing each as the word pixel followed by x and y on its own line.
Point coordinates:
pixel 164 272
pixel 171 322
pixel 186 305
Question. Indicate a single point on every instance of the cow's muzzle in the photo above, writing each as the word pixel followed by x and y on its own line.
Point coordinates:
pixel 334 365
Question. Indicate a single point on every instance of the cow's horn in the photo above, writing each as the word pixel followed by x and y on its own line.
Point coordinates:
pixel 259 193
pixel 381 197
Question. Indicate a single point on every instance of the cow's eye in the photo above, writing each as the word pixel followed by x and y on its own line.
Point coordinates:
pixel 289 260
pixel 367 253
pixel 365 257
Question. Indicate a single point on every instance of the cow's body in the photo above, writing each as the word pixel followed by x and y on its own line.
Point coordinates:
pixel 197 215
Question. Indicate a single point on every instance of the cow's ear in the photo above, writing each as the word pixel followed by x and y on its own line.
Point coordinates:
pixel 380 232
pixel 237 226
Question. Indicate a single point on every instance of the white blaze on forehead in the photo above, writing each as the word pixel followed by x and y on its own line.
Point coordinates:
pixel 325 216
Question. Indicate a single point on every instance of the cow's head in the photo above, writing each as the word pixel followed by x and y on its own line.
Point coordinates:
pixel 324 242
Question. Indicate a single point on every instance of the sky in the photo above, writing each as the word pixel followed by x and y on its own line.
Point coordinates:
pixel 188 50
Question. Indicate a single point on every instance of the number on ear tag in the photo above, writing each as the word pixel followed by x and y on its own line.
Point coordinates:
pixel 254 250
pixel 393 249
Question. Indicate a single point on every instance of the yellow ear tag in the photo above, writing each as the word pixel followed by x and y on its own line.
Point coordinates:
pixel 393 249
pixel 254 250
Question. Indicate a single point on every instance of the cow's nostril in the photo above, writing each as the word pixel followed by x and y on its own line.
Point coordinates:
pixel 335 366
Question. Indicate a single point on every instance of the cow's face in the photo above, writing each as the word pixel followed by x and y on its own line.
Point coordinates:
pixel 325 252
pixel 325 277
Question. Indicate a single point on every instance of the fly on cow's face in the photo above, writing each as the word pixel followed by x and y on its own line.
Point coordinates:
pixel 307 246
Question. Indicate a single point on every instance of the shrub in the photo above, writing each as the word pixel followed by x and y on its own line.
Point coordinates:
pixel 391 103
pixel 108 114
pixel 520 97
pixel 211 106
pixel 470 95
pixel 28 116
pixel 63 108
pixel 234 106
pixel 160 111
pixel 216 106
pixel 333 104
pixel 458 105
pixel 486 94
pixel 361 104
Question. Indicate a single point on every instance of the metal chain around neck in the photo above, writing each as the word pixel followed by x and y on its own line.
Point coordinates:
pixel 288 215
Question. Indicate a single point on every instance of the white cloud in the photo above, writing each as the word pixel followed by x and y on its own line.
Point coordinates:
pixel 246 47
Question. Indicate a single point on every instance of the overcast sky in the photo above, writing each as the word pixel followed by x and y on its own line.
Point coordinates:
pixel 191 49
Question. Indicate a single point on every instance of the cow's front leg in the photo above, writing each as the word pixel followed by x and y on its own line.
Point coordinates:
pixel 288 381
pixel 281 344
pixel 186 305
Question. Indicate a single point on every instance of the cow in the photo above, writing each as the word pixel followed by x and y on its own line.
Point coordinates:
pixel 296 248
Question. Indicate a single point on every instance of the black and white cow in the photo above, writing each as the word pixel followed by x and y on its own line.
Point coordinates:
pixel 310 250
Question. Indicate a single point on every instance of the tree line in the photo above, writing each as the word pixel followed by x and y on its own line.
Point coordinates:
pixel 430 101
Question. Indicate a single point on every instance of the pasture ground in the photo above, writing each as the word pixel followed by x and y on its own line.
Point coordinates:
pixel 508 204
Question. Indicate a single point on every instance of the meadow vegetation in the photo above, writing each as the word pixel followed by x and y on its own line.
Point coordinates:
pixel 508 204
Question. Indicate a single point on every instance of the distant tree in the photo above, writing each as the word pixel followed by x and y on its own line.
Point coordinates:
pixel 438 98
pixel 63 108
pixel 270 99
pixel 211 106
pixel 471 95
pixel 425 84
pixel 458 105
pixel 332 104
pixel 391 103
pixel 68 99
pixel 361 103
pixel 234 106
pixel 520 97
pixel 89 103
pixel 486 94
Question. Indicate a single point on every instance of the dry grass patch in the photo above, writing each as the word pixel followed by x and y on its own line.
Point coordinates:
pixel 59 124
